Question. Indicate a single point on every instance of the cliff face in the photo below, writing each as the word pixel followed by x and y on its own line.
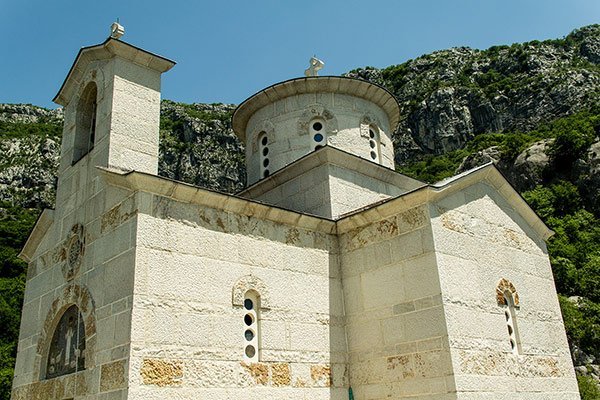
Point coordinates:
pixel 450 96
pixel 198 146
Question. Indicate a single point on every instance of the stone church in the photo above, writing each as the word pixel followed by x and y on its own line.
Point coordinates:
pixel 331 276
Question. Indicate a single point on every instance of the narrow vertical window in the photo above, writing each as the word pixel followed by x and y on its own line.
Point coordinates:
pixel 85 126
pixel 251 327
pixel 263 146
pixel 317 133
pixel 374 143
pixel 67 348
pixel 511 323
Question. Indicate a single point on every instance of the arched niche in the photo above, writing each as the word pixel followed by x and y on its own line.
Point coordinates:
pixel 66 353
pixel 73 295
pixel 85 121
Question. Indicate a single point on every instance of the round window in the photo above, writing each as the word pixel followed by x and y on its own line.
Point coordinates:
pixel 373 155
pixel 317 126
pixel 250 351
pixel 372 144
pixel 371 134
pixel 265 151
pixel 248 320
pixel 248 304
pixel 264 141
pixel 266 162
pixel 249 335
pixel 318 137
pixel 266 173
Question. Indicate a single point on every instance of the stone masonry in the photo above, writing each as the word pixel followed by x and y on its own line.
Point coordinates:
pixel 330 275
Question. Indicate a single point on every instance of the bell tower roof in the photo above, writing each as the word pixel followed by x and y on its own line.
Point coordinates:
pixel 108 49
pixel 307 85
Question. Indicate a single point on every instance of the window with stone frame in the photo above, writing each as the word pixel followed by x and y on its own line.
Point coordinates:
pixel 251 309
pixel 66 354
pixel 374 143
pixel 511 323
pixel 263 148
pixel 317 133
pixel 85 122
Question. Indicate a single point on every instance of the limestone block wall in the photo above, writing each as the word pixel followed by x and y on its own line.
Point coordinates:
pixel 396 327
pixel 346 121
pixel 193 266
pixel 135 117
pixel 350 190
pixel 329 191
pixel 126 133
pixel 480 240
pixel 308 193
pixel 92 267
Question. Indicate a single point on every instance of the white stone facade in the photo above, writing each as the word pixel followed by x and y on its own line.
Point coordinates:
pixel 362 280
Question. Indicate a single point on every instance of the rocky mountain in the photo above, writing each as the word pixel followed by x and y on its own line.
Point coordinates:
pixel 450 96
pixel 531 108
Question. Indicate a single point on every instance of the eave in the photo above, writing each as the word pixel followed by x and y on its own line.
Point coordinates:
pixel 106 50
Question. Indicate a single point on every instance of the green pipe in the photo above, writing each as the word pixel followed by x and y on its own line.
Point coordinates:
pixel 350 394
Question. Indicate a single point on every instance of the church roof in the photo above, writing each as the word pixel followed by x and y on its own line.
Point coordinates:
pixel 315 84
pixel 180 191
pixel 105 50
pixel 336 156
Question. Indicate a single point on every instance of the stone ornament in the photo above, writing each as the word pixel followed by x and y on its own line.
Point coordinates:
pixel 75 250
pixel 247 283
pixel 317 111
pixel 506 286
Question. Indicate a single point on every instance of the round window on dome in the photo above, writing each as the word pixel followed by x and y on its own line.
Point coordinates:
pixel 248 304
pixel 318 137
pixel 264 141
pixel 249 335
pixel 248 320
pixel 317 126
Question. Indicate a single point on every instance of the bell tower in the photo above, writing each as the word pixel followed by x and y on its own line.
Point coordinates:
pixel 111 100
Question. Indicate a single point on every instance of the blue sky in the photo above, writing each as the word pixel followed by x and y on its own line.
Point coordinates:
pixel 228 50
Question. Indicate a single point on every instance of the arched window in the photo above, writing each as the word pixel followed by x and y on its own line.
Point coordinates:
pixel 507 297
pixel 511 323
pixel 85 125
pixel 263 146
pixel 374 143
pixel 67 348
pixel 317 133
pixel 251 326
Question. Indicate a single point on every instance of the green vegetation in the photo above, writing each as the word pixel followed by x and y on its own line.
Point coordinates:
pixel 15 225
pixel 572 134
pixel 588 388
pixel 9 130
pixel 575 248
